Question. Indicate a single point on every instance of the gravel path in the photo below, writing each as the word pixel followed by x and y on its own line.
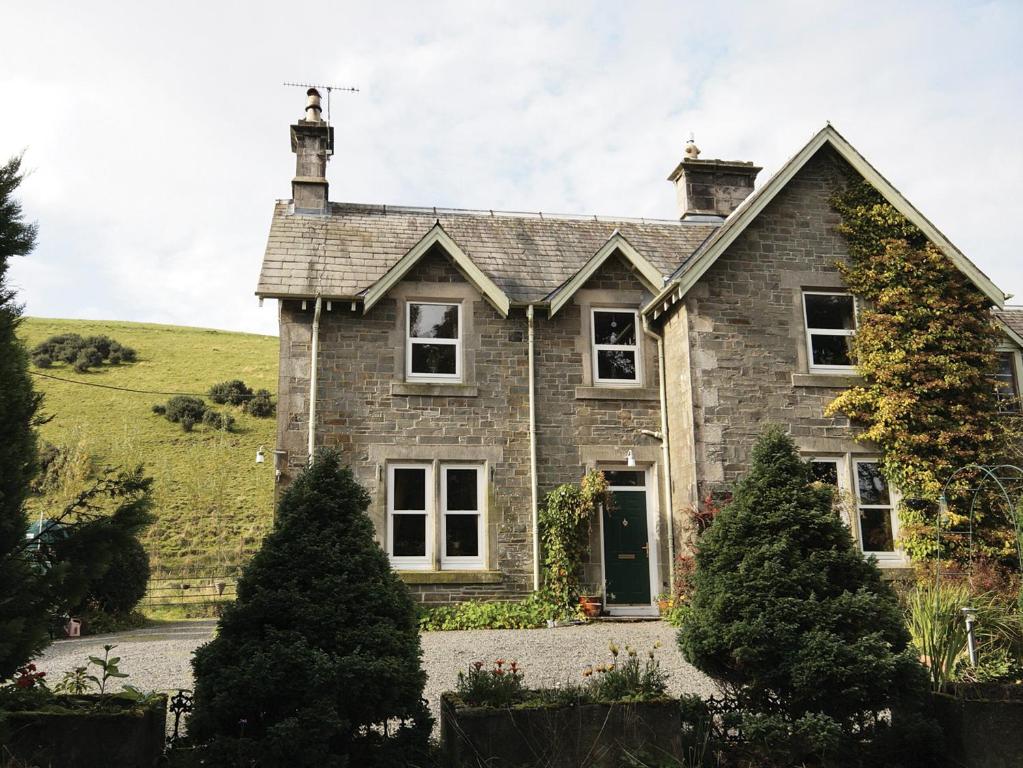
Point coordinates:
pixel 158 658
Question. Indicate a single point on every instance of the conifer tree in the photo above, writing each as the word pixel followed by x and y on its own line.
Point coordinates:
pixel 317 663
pixel 800 629
pixel 23 604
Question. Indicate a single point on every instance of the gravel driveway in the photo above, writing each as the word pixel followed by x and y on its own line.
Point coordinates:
pixel 158 658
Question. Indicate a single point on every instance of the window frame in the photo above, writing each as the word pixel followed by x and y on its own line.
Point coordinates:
pixel 895 554
pixel 423 562
pixel 411 340
pixel 595 349
pixel 809 332
pixel 1017 385
pixel 478 562
pixel 841 463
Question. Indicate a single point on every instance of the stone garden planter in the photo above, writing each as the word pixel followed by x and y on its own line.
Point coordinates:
pixel 982 725
pixel 582 736
pixel 121 735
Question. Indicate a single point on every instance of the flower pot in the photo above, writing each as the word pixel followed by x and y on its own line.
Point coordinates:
pixel 591 606
pixel 663 606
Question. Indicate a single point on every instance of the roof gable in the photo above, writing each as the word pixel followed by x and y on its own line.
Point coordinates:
pixel 690 272
pixel 647 273
pixel 1010 320
pixel 436 236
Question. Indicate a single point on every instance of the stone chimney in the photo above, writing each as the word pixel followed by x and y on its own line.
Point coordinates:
pixel 312 141
pixel 709 190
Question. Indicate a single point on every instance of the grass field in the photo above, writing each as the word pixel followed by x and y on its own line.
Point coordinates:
pixel 212 502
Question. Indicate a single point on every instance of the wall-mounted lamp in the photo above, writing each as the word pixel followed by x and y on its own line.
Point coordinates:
pixel 260 455
pixel 280 460
pixel 630 459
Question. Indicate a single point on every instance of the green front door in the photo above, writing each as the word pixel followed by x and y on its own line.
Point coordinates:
pixel 626 545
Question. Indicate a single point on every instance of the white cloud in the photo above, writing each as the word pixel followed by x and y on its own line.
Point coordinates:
pixel 160 140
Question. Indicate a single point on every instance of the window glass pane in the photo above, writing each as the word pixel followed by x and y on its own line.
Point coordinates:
pixel 433 321
pixel 871 483
pixel 434 358
pixel 876 530
pixel 614 328
pixel 462 535
pixel 409 535
pixel 462 487
pixel 1006 377
pixel 616 364
pixel 831 350
pixel 409 488
pixel 834 312
pixel 624 478
pixel 825 472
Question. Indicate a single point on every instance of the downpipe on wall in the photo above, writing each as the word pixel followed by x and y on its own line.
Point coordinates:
pixel 532 454
pixel 663 436
pixel 313 359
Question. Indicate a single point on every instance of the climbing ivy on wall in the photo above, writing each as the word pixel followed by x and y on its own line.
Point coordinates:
pixel 565 521
pixel 926 348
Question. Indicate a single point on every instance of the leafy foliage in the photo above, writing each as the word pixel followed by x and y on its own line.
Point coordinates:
pixel 260 405
pixel 232 392
pixel 81 352
pixel 120 588
pixel 565 521
pixel 189 411
pixel 626 679
pixel 496 687
pixel 530 613
pixel 321 648
pixel 798 626
pixel 926 348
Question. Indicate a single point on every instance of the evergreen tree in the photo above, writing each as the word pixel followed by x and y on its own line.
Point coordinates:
pixel 23 604
pixel 317 663
pixel 799 627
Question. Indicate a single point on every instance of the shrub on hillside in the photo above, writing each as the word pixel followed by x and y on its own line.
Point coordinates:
pixel 800 628
pixel 214 420
pixel 120 588
pixel 81 352
pixel 232 392
pixel 185 408
pixel 260 405
pixel 317 663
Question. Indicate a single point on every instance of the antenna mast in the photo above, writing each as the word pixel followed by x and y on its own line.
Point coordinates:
pixel 327 88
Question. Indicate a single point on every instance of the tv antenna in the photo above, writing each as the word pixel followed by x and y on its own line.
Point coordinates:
pixel 327 88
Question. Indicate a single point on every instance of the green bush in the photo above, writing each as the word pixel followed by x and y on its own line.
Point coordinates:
pixel 230 393
pixel 82 353
pixel 530 613
pixel 260 405
pixel 214 420
pixel 184 406
pixel 801 629
pixel 317 663
pixel 120 588
pixel 565 520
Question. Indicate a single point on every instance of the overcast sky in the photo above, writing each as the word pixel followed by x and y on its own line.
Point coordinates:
pixel 157 134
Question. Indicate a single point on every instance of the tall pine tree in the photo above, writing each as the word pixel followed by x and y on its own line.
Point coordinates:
pixel 23 596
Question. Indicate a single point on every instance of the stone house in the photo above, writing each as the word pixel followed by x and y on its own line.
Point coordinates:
pixel 465 363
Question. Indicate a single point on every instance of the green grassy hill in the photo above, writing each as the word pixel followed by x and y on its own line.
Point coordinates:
pixel 212 502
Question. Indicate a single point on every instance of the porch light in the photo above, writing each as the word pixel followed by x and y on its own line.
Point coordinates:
pixel 970 614
pixel 260 455
pixel 630 460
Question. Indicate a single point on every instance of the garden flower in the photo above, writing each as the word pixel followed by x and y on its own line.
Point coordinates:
pixel 478 665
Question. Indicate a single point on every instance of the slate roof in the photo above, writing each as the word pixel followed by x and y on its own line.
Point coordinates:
pixel 1012 317
pixel 527 255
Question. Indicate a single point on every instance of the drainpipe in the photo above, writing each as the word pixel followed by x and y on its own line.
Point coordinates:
pixel 312 377
pixel 532 454
pixel 665 456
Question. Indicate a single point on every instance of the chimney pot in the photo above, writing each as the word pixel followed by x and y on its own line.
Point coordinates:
pixel 312 106
pixel 709 190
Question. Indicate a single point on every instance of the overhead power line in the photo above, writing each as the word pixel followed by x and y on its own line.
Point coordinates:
pixel 129 389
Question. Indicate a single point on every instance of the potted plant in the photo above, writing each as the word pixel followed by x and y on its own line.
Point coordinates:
pixel 591 604
pixel 664 603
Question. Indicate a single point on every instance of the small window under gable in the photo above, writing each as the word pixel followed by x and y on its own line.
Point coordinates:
pixel 616 353
pixel 830 321
pixel 1006 382
pixel 433 341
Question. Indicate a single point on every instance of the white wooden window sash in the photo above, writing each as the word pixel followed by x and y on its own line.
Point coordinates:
pixel 597 348
pixel 894 553
pixel 455 562
pixel 811 332
pixel 425 561
pixel 411 340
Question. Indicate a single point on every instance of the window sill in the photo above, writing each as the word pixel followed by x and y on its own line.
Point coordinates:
pixel 451 577
pixel 616 393
pixel 430 389
pixel 833 380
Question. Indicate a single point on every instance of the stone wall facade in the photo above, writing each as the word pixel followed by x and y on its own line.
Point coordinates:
pixel 368 410
pixel 736 355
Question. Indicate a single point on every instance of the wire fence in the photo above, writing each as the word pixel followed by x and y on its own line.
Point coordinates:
pixel 193 587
